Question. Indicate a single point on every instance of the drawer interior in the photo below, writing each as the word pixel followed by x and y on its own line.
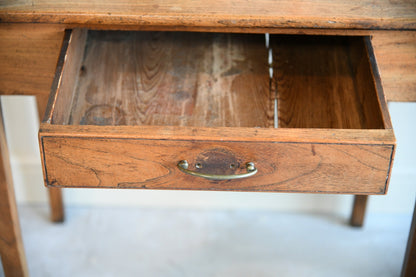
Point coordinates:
pixel 325 82
pixel 217 80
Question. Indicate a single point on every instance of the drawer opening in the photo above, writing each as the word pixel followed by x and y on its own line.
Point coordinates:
pixel 127 108
pixel 217 80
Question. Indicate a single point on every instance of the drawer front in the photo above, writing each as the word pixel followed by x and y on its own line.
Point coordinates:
pixel 152 164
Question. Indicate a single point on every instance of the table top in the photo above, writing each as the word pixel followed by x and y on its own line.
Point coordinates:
pixel 334 14
pixel 394 51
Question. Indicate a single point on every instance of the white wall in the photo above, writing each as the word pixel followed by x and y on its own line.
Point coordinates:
pixel 21 123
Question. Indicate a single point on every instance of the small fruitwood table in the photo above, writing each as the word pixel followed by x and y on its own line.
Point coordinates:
pixel 31 34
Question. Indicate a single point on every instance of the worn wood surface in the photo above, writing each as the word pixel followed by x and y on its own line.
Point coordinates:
pixel 28 56
pixel 163 78
pixel 409 264
pixel 55 194
pixel 324 82
pixel 364 14
pixel 29 52
pixel 394 50
pixel 230 134
pixel 56 204
pixel 67 75
pixel 358 211
pixel 396 59
pixel 283 167
pixel 11 245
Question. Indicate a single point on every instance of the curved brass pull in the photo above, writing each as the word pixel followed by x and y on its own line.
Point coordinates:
pixel 251 170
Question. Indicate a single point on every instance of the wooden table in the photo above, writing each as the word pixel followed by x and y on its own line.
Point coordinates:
pixel 31 34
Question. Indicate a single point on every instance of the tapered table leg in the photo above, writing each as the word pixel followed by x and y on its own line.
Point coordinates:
pixel 11 245
pixel 56 205
pixel 358 210
pixel 409 264
pixel 55 194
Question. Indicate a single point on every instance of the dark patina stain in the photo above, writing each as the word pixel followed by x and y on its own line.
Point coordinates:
pixel 313 149
pixel 218 161
pixel 103 115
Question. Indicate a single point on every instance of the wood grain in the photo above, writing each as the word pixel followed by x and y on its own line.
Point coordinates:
pixel 325 82
pixel 11 245
pixel 151 164
pixel 55 194
pixel 368 80
pixel 379 136
pixel 66 76
pixel 354 14
pixel 29 52
pixel 28 56
pixel 134 78
pixel 57 212
pixel 409 264
pixel 358 211
pixel 396 59
pixel 175 79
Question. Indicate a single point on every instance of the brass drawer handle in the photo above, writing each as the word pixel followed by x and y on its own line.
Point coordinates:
pixel 251 170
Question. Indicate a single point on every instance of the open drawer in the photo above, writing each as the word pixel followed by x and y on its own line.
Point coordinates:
pixel 207 111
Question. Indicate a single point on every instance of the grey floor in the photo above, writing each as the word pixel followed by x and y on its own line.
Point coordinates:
pixel 163 242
